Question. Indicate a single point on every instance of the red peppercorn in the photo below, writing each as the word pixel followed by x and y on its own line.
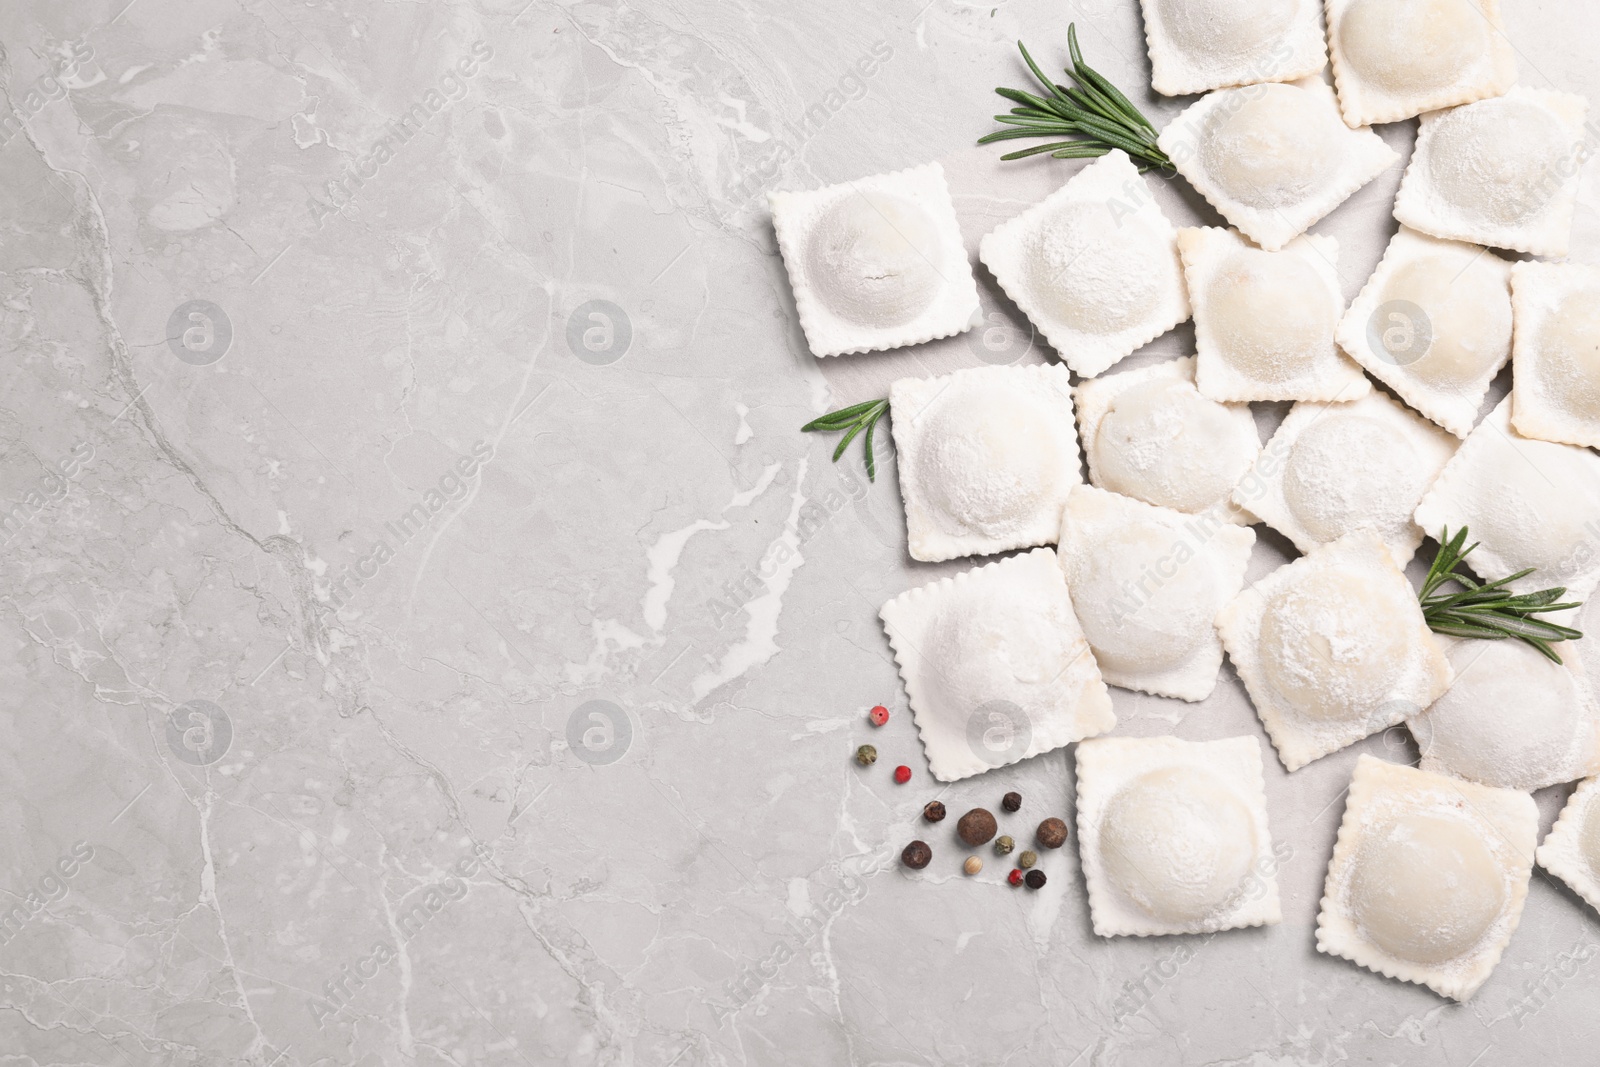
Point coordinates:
pixel 902 774
pixel 1015 877
pixel 879 715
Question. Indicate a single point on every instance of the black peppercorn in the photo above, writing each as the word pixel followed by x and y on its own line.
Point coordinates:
pixel 1052 833
pixel 917 855
pixel 934 812
pixel 1011 802
pixel 976 826
pixel 1035 879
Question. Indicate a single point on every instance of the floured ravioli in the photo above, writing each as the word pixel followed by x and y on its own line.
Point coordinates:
pixel 1332 648
pixel 877 262
pixel 1094 265
pixel 1199 45
pixel 1433 323
pixel 1150 435
pixel 1501 172
pixel 1393 59
pixel 1571 850
pixel 1556 357
pixel 1526 503
pixel 1146 584
pixel 1333 468
pixel 986 458
pixel 995 665
pixel 1264 321
pixel 1273 159
pixel 1173 836
pixel 1511 719
pixel 1428 877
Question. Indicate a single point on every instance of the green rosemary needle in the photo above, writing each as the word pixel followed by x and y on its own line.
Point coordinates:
pixel 852 420
pixel 1489 610
pixel 1093 113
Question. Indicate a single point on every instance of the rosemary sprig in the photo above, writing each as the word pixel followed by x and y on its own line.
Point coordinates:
pixel 1489 610
pixel 1093 113
pixel 854 419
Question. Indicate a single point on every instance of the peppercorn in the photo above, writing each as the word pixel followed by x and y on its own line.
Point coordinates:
pixel 902 774
pixel 973 865
pixel 934 812
pixel 879 715
pixel 1015 877
pixel 1052 833
pixel 1003 845
pixel 976 826
pixel 917 855
pixel 1035 879
pixel 1027 859
pixel 1011 801
pixel 866 755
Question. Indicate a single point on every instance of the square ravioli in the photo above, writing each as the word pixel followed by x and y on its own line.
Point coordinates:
pixel 1433 323
pixel 1333 468
pixel 986 458
pixel 1571 850
pixel 1511 719
pixel 1555 362
pixel 1501 172
pixel 1273 159
pixel 995 666
pixel 1428 876
pixel 1333 647
pixel 876 263
pixel 1173 836
pixel 1525 503
pixel 1264 321
pixel 1094 265
pixel 1395 59
pixel 1200 45
pixel 1146 584
pixel 1149 434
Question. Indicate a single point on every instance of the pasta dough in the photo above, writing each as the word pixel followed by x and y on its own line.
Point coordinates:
pixel 1527 503
pixel 1511 719
pixel 1433 323
pixel 1264 321
pixel 1273 159
pixel 1199 45
pixel 1571 850
pixel 995 665
pixel 1393 59
pixel 1428 877
pixel 1556 356
pixel 1173 836
pixel 1094 265
pixel 1501 172
pixel 876 263
pixel 1333 647
pixel 1333 468
pixel 1146 584
pixel 986 458
pixel 1150 435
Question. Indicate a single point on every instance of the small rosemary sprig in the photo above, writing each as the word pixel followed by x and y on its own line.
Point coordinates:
pixel 1489 610
pixel 855 418
pixel 1094 113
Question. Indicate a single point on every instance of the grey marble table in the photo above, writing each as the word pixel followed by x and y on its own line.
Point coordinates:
pixel 429 639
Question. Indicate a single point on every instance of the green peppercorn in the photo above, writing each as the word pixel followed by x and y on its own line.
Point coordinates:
pixel 866 755
pixel 1003 845
pixel 1028 858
